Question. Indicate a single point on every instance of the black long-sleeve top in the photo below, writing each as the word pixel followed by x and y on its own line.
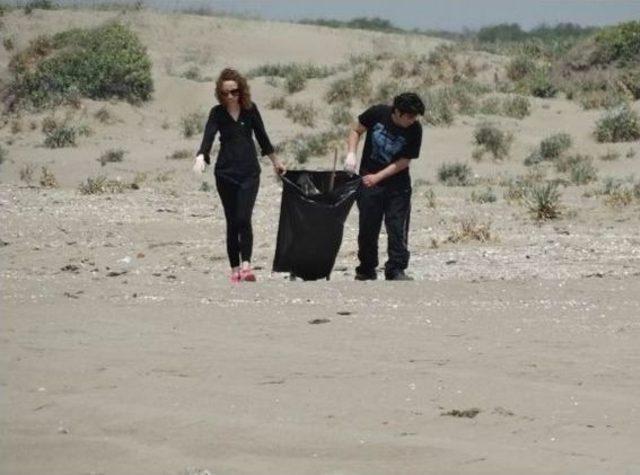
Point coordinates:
pixel 237 158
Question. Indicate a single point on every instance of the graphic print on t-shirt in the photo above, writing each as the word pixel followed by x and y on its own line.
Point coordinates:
pixel 385 145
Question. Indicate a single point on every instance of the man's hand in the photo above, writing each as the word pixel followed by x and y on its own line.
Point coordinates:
pixel 278 166
pixel 199 165
pixel 351 163
pixel 370 180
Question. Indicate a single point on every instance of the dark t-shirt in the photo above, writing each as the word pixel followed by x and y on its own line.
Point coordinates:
pixel 237 159
pixel 386 143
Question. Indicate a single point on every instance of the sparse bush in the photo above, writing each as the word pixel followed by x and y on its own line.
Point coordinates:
pixel 471 230
pixel 108 61
pixel 3 154
pixel 554 146
pixel 193 124
pixel 49 124
pixel 48 179
pixel 104 116
pixel 355 86
pixel 491 106
pixel 438 110
pixel 540 84
pixel 101 184
pixel 631 153
pixel 180 155
pixel 38 4
pixel 492 140
pixel 278 102
pixel 618 125
pixel 8 44
pixel 26 173
pixel 295 81
pixel 520 67
pixel 619 43
pixel 193 73
pixel 60 136
pixel 304 147
pixel 543 200
pixel 307 71
pixel 579 167
pixel 485 196
pixel 205 186
pixel 455 174
pixel 16 126
pixel 340 115
pixel 430 197
pixel 610 156
pixel 304 114
pixel 111 156
pixel 517 107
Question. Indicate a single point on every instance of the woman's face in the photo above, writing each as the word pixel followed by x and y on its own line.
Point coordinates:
pixel 230 92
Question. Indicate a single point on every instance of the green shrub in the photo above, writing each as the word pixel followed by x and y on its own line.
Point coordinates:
pixel 111 156
pixel 455 174
pixel 60 136
pixel 303 114
pixel 341 115
pixel 303 147
pixel 104 116
pixel 543 200
pixel 618 125
pixel 307 71
pixel 517 107
pixel 540 85
pixel 520 67
pixel 631 79
pixel 356 86
pixel 7 43
pixel 38 4
pixel 101 184
pixel 491 106
pixel 438 110
pixel 48 179
pixel 180 155
pixel 3 154
pixel 295 81
pixel 278 102
pixel 554 146
pixel 485 196
pixel 619 43
pixel 108 61
pixel 492 140
pixel 193 124
pixel 26 173
pixel 579 167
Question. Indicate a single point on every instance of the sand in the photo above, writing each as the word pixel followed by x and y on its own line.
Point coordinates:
pixel 126 351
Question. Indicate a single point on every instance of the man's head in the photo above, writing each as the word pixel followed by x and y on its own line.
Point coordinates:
pixel 406 109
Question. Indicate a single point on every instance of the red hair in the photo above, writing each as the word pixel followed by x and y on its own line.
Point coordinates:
pixel 229 74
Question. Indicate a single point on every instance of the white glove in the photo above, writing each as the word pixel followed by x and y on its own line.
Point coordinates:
pixel 351 162
pixel 199 165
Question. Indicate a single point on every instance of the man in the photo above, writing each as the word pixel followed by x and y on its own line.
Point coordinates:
pixel 393 139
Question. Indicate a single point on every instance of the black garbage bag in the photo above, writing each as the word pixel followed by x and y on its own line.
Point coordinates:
pixel 312 221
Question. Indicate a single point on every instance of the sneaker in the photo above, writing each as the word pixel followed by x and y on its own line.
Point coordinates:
pixel 398 275
pixel 235 277
pixel 366 275
pixel 247 275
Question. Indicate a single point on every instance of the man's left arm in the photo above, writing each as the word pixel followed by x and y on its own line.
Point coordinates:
pixel 390 170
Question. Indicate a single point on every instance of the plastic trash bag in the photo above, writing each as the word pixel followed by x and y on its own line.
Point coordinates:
pixel 312 221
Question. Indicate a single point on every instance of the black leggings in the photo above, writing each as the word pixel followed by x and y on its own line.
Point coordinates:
pixel 238 200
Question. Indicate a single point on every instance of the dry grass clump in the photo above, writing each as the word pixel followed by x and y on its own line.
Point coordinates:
pixel 471 230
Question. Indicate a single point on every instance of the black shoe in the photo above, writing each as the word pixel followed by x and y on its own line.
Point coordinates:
pixel 366 275
pixel 398 275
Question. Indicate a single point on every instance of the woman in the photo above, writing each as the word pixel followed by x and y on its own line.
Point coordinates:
pixel 237 170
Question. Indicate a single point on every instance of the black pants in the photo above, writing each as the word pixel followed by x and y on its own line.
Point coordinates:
pixel 238 200
pixel 394 205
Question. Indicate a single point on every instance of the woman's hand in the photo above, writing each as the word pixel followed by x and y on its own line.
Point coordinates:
pixel 278 165
pixel 199 165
